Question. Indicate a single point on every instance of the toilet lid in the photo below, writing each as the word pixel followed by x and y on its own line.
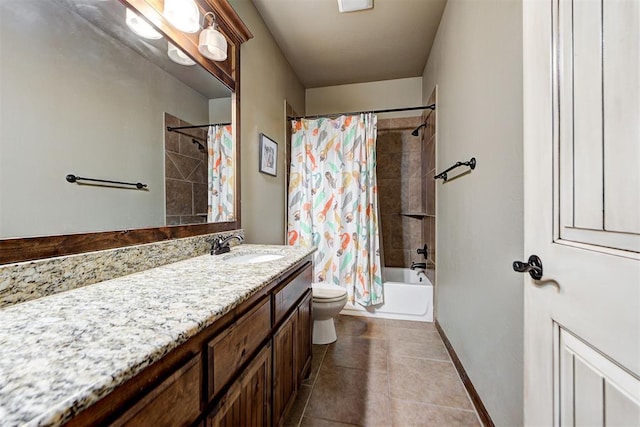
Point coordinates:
pixel 324 292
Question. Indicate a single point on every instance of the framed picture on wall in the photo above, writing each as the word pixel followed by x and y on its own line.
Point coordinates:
pixel 268 155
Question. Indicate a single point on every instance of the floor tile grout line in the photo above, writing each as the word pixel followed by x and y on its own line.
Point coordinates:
pixel 304 409
pixel 468 396
pixel 335 421
pixel 313 385
pixel 457 408
pixel 459 379
pixel 367 369
pixel 324 355
pixel 389 342
pixel 386 343
pixel 425 358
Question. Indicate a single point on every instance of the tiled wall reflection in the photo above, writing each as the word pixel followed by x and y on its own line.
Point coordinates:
pixel 185 173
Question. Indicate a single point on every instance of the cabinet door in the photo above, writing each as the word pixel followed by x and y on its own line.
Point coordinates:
pixel 248 400
pixel 305 330
pixel 181 392
pixel 284 366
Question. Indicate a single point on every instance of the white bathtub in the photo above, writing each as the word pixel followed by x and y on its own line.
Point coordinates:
pixel 408 295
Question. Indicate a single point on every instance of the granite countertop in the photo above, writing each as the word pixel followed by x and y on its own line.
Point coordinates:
pixel 61 353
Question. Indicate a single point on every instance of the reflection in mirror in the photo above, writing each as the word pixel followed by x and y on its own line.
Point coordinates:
pixel 199 172
pixel 82 94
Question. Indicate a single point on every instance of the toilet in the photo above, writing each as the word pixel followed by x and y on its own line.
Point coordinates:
pixel 328 300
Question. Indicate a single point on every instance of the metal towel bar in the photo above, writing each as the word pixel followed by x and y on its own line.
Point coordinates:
pixel 73 178
pixel 443 175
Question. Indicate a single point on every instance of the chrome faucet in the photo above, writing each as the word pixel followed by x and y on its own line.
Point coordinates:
pixel 420 265
pixel 221 244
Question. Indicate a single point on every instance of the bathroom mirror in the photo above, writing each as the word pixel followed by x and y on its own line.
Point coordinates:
pixel 82 94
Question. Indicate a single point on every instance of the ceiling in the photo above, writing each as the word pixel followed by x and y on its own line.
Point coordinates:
pixel 327 48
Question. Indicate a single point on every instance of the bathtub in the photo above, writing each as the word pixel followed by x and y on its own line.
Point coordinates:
pixel 408 295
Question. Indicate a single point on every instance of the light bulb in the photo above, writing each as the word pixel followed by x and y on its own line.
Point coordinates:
pixel 212 43
pixel 178 56
pixel 182 14
pixel 140 26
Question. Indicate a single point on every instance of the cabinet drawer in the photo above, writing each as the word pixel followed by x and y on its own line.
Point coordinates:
pixel 180 392
pixel 288 294
pixel 232 348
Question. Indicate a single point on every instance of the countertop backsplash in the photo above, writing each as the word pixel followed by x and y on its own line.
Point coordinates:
pixel 30 280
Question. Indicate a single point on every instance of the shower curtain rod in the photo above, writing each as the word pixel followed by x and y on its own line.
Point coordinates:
pixel 351 113
pixel 171 129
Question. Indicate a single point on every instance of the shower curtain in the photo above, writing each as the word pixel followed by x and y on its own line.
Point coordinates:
pixel 333 202
pixel 221 172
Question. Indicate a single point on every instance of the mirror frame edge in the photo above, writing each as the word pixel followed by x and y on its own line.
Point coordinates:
pixel 15 250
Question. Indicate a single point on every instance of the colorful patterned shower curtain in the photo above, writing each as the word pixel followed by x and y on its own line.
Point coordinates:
pixel 221 174
pixel 333 202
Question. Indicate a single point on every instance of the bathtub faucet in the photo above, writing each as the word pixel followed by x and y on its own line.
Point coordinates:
pixel 418 265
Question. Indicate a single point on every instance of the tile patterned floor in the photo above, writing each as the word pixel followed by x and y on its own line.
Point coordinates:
pixel 382 373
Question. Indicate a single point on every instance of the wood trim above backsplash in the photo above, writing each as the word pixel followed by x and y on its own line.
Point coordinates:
pixel 33 248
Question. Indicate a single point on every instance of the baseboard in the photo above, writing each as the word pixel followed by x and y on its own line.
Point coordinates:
pixel 475 397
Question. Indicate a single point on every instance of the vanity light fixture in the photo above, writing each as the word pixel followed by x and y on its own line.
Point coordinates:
pixel 212 42
pixel 354 5
pixel 139 26
pixel 178 56
pixel 182 14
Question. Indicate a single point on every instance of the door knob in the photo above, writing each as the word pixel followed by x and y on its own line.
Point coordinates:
pixel 533 267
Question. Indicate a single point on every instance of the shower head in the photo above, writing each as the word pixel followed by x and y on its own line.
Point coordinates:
pixel 201 147
pixel 417 130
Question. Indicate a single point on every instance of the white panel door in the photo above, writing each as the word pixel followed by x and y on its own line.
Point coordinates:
pixel 582 211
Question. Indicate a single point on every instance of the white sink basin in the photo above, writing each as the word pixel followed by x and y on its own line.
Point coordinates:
pixel 254 258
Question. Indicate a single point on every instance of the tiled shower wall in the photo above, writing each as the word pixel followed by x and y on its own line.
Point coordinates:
pixel 185 173
pixel 400 187
pixel 429 189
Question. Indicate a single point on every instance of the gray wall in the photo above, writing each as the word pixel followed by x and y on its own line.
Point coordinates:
pixel 476 62
pixel 397 93
pixel 220 110
pixel 73 102
pixel 267 81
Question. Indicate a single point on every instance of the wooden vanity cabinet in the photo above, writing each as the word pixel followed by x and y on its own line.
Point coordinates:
pixel 291 357
pixel 286 295
pixel 231 349
pixel 291 341
pixel 181 391
pixel 284 367
pixel 247 403
pixel 243 370
pixel 304 337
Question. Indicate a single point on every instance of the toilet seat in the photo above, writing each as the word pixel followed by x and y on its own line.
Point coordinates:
pixel 328 300
pixel 327 293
